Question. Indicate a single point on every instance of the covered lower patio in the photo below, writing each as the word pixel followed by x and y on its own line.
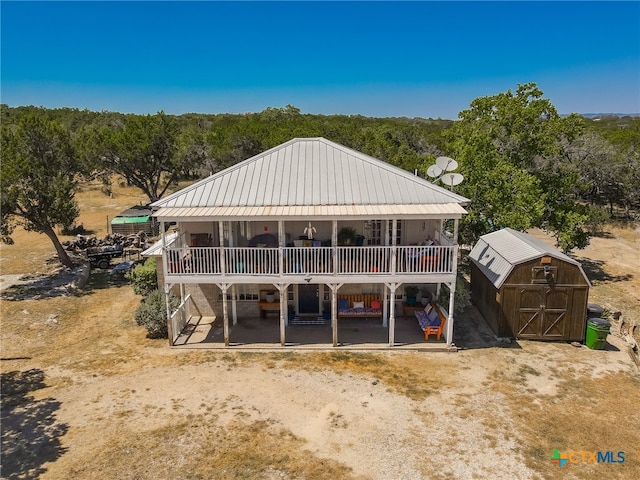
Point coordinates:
pixel 264 333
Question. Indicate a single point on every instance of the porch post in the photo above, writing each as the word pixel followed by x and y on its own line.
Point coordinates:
pixel 234 308
pixel 455 230
pixel 394 247
pixel 284 311
pixel 334 310
pixel 392 313
pixel 222 259
pixel 281 244
pixel 334 245
pixel 385 309
pixel 449 326
pixel 225 316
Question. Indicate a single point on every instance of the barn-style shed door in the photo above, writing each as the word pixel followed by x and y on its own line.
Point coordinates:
pixel 541 312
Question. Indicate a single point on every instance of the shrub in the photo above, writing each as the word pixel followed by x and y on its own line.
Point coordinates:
pixel 144 277
pixel 152 313
pixel 462 297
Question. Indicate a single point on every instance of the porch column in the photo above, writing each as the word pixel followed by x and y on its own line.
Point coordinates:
pixel 225 316
pixel 284 311
pixel 223 268
pixel 334 287
pixel 334 245
pixel 234 307
pixel 281 243
pixel 449 326
pixel 456 222
pixel 392 313
pixel 394 247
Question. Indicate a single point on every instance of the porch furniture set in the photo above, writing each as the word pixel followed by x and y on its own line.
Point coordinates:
pixel 431 320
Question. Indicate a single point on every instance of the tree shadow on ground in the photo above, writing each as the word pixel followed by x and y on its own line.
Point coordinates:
pixel 594 269
pixel 62 283
pixel 30 433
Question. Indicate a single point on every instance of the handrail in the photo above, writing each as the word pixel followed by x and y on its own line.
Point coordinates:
pixel 358 260
pixel 179 318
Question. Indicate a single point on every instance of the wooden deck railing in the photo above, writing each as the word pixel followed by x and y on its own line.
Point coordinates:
pixel 284 261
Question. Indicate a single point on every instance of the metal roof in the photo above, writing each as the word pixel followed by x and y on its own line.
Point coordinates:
pixel 155 250
pixel 497 253
pixel 311 177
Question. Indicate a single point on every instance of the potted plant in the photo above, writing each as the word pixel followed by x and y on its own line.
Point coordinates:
pixel 410 292
pixel 270 296
pixel 426 296
pixel 346 236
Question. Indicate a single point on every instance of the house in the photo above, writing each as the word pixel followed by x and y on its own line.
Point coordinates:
pixel 307 221
pixel 527 289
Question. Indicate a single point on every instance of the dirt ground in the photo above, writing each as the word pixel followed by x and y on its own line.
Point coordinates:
pixel 86 395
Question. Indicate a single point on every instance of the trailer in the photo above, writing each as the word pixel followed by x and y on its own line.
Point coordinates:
pixel 100 257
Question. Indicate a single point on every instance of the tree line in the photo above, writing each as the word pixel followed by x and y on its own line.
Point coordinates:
pixel 524 164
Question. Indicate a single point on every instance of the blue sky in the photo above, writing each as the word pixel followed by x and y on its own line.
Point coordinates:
pixel 414 59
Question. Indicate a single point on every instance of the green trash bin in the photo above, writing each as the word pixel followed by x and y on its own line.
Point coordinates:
pixel 597 331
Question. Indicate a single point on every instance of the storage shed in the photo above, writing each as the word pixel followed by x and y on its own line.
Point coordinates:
pixel 526 289
pixel 134 220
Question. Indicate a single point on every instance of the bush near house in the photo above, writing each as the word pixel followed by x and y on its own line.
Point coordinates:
pixel 152 313
pixel 144 277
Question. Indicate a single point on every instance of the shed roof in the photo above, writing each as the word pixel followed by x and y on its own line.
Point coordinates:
pixel 311 177
pixel 497 253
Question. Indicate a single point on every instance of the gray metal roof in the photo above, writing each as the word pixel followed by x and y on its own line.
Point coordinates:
pixel 497 253
pixel 155 250
pixel 310 176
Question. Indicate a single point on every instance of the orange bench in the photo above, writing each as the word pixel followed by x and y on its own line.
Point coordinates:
pixel 427 323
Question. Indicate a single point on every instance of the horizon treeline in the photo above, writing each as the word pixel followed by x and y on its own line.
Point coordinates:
pixel 593 162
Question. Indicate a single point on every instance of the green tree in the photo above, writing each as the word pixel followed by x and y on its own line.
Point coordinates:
pixel 143 150
pixel 504 144
pixel 38 180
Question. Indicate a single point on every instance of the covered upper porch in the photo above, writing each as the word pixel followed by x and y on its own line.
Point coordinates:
pixel 354 251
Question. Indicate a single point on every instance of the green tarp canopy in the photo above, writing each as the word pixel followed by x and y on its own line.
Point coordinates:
pixel 121 220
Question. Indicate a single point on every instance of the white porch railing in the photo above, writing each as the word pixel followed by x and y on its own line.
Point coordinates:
pixel 179 318
pixel 369 260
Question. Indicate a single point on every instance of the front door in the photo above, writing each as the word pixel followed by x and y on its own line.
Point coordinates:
pixel 308 299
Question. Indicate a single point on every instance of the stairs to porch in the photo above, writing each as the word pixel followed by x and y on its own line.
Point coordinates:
pixel 308 320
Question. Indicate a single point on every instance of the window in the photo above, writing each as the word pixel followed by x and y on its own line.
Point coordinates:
pixel 243 293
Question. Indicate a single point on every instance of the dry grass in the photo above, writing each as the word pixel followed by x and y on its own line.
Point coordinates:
pixel 416 377
pixel 200 449
pixel 587 413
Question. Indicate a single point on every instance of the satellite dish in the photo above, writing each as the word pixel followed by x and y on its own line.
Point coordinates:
pixel 434 171
pixel 447 164
pixel 452 179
